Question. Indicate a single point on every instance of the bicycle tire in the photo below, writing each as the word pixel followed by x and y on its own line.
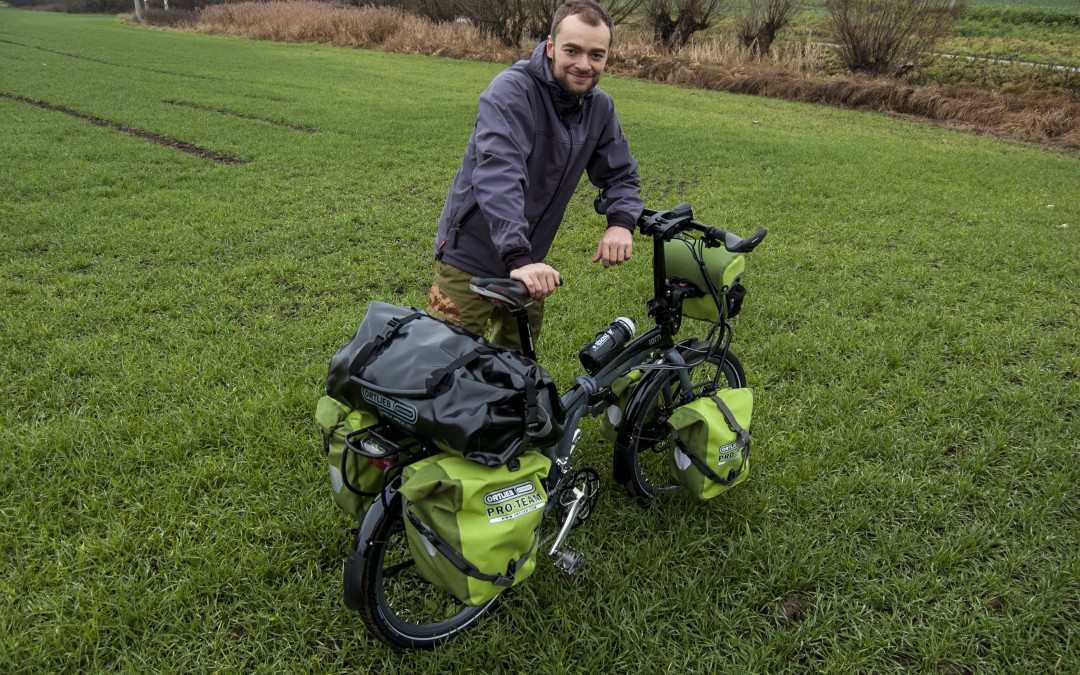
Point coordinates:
pixel 645 440
pixel 397 605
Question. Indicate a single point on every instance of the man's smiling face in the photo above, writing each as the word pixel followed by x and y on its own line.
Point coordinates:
pixel 578 54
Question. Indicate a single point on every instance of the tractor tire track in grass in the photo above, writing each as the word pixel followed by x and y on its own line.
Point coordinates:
pixel 182 146
pixel 109 63
pixel 242 116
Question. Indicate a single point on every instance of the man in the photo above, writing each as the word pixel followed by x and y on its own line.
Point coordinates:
pixel 541 124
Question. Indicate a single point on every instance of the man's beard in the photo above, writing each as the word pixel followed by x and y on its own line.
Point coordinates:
pixel 566 84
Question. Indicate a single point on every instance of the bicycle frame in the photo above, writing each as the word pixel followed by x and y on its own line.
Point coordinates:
pixel 655 345
pixel 577 401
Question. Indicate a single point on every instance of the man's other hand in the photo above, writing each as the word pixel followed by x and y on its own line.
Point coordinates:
pixel 616 246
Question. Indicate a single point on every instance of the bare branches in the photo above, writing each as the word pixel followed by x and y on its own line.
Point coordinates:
pixel 759 21
pixel 674 21
pixel 887 36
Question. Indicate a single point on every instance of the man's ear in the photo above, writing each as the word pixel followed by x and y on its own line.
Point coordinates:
pixel 550 49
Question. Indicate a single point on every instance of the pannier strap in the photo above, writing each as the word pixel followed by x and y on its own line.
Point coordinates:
pixel 743 442
pixel 733 424
pixel 709 473
pixel 372 348
pixel 459 561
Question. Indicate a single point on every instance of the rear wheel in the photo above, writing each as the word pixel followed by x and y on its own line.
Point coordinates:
pixel 398 605
pixel 645 440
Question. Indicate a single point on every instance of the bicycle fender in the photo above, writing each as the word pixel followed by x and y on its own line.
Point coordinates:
pixel 638 400
pixel 353 572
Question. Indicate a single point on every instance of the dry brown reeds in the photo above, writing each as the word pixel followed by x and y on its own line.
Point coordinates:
pixel 1046 120
pixel 716 65
pixel 365 27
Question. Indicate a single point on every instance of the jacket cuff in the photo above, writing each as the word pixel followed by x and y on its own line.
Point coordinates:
pixel 621 220
pixel 519 257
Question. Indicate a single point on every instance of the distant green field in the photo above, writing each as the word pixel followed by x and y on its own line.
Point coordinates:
pixel 1042 31
pixel 1066 6
pixel 191 225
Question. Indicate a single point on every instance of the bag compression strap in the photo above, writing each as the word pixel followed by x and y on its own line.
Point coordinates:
pixel 372 348
pixel 459 561
pixel 742 441
pixel 439 376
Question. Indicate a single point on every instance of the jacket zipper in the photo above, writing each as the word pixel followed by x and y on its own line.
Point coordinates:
pixel 461 222
pixel 562 178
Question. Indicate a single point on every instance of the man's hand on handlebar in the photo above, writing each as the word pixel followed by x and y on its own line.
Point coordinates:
pixel 616 246
pixel 539 278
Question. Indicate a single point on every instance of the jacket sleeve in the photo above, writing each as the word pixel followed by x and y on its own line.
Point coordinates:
pixel 614 170
pixel 503 141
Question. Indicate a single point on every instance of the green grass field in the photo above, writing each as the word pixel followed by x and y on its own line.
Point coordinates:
pixel 911 334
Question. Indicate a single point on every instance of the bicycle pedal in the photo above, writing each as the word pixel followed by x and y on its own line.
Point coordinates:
pixel 568 560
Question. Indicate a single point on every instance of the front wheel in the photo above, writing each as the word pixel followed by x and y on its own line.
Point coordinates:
pixel 645 441
pixel 398 605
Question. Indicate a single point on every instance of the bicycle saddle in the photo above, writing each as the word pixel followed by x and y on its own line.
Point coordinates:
pixel 501 292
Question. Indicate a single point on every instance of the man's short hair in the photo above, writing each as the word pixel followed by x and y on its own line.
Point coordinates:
pixel 590 12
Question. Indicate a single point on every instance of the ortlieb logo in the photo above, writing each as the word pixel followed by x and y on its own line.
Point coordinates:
pixel 727 450
pixel 513 502
pixel 509 493
pixel 392 408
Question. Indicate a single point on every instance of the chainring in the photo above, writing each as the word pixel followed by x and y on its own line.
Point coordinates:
pixel 587 480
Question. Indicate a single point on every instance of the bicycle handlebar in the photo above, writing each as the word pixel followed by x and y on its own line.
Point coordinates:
pixel 666 224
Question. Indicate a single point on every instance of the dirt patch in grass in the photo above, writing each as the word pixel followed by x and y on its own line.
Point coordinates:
pixel 789 612
pixel 182 146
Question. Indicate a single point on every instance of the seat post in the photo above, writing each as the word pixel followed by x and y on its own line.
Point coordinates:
pixel 521 315
pixel 513 297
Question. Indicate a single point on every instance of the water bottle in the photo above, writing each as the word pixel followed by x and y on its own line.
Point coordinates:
pixel 607 344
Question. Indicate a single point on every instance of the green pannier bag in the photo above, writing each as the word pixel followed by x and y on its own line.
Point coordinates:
pixel 354 480
pixel 473 529
pixel 723 266
pixel 622 388
pixel 712 442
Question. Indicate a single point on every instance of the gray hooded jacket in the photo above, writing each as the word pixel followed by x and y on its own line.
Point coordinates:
pixel 531 143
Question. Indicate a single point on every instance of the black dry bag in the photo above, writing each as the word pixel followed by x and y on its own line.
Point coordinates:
pixel 442 383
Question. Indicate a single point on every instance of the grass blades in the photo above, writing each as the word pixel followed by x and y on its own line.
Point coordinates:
pixel 167 320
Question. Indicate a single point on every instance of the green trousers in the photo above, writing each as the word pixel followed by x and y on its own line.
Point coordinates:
pixel 451 300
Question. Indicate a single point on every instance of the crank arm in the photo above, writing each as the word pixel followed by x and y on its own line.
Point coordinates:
pixel 568 560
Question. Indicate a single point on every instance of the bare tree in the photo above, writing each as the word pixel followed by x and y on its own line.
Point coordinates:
pixel 674 21
pixel 887 36
pixel 621 10
pixel 760 21
pixel 511 21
